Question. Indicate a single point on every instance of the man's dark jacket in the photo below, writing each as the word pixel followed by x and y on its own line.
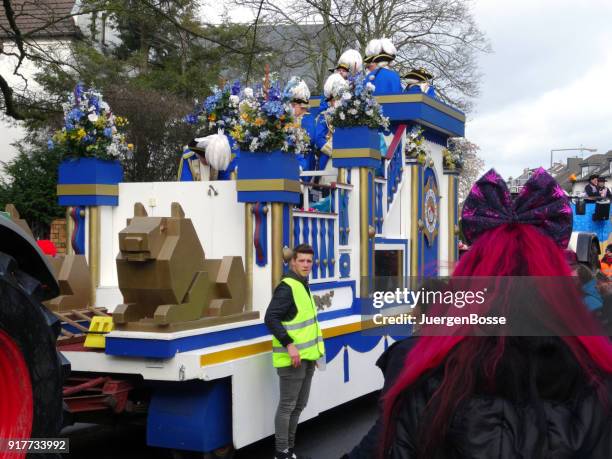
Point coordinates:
pixel 591 190
pixel 282 308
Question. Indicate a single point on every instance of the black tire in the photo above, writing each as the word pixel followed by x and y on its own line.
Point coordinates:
pixel 34 330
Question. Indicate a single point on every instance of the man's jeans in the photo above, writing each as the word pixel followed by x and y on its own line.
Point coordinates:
pixel 294 389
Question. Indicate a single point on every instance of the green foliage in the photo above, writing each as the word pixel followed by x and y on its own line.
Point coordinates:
pixel 162 63
pixel 31 186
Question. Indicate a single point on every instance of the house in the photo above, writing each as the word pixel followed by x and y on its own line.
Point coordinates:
pixel 573 175
pixel 48 27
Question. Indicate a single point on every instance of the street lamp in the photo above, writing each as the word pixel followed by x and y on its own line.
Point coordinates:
pixel 581 148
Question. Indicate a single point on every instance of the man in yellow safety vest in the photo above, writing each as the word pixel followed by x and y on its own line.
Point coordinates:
pixel 297 344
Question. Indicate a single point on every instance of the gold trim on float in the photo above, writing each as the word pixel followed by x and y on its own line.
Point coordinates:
pixel 314 103
pixel 355 153
pixel 248 255
pixel 235 353
pixel 364 225
pixel 277 243
pixel 407 98
pixel 451 222
pixel 414 231
pixel 88 189
pixel 268 185
pixel 94 250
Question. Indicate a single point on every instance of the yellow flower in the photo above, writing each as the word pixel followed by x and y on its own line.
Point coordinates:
pixel 130 146
pixel 245 117
pixel 237 133
pixel 259 122
pixel 212 117
pixel 78 134
pixel 59 137
pixel 101 123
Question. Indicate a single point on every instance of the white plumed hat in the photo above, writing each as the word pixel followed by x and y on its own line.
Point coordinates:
pixel 372 50
pixel 387 51
pixel 351 61
pixel 216 149
pixel 334 86
pixel 297 90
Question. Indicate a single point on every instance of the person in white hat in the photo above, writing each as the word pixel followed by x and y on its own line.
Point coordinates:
pixel 380 53
pixel 350 62
pixel 297 94
pixel 334 87
pixel 204 158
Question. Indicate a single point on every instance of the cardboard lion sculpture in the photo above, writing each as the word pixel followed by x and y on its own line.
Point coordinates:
pixel 166 281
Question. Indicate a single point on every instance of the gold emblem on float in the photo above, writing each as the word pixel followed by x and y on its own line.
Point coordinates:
pixel 430 210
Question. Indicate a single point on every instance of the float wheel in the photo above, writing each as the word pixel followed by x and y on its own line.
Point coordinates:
pixel 31 369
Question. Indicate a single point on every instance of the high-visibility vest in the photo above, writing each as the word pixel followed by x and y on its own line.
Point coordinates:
pixel 606 268
pixel 303 329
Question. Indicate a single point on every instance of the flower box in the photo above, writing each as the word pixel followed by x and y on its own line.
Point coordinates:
pixel 268 177
pixel 357 146
pixel 89 182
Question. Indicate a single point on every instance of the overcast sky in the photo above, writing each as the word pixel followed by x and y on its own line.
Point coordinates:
pixel 547 83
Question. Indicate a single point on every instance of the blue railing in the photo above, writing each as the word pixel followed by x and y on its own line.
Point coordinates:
pixel 323 224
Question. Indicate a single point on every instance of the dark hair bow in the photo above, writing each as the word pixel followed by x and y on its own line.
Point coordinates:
pixel 541 203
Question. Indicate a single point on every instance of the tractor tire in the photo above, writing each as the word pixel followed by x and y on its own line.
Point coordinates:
pixel 32 372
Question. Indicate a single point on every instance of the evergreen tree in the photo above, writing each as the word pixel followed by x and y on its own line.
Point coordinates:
pixel 30 184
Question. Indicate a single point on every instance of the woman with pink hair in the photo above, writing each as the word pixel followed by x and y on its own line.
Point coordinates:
pixel 463 395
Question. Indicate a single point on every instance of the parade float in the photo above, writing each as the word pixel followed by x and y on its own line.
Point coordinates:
pixel 181 273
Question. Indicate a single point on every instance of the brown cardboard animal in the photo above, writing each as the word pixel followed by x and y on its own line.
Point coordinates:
pixel 165 278
pixel 73 276
pixel 71 272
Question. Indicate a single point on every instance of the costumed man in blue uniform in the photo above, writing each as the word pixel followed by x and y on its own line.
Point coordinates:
pixel 298 95
pixel 204 157
pixel 386 81
pixel 334 87
pixel 419 80
pixel 190 168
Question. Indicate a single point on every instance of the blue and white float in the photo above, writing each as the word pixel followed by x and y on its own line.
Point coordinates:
pixel 216 386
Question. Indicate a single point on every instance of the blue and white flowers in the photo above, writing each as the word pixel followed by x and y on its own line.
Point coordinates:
pixel 357 106
pixel 90 128
pixel 219 111
pixel 266 124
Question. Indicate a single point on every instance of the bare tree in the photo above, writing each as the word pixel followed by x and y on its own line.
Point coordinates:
pixel 34 34
pixel 440 35
pixel 473 165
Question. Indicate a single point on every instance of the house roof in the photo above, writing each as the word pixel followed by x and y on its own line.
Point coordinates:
pixel 601 162
pixel 40 18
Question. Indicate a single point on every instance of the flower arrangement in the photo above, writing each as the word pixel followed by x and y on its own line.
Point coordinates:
pixel 91 130
pixel 357 106
pixel 265 123
pixel 414 145
pixel 452 157
pixel 218 111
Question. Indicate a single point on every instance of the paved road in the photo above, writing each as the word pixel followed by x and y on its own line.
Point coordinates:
pixel 326 437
